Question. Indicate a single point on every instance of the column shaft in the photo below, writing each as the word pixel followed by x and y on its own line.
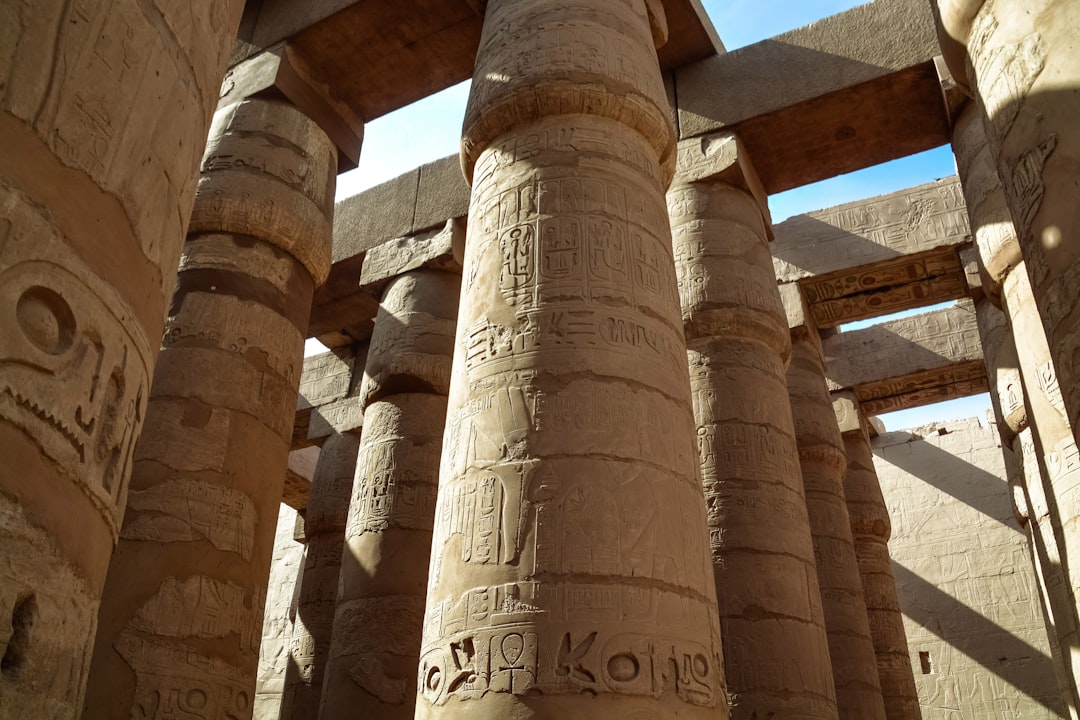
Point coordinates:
pixel 1023 65
pixel 569 570
pixel 870 529
pixel 96 185
pixel 380 607
pixel 324 533
pixel 1028 389
pixel 182 608
pixel 823 463
pixel 775 647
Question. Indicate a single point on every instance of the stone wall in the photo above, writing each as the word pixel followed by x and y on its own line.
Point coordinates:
pixel 278 620
pixel 975 628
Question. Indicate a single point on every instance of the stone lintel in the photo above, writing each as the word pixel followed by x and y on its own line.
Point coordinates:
pixel 280 72
pixel 384 55
pixel 846 92
pixel 438 249
pixel 328 401
pixel 298 476
pixel 909 362
pixel 722 157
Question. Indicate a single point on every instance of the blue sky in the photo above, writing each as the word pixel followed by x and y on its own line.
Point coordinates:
pixel 430 129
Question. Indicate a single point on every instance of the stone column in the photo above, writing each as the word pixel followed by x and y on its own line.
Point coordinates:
pixel 1031 393
pixel 380 605
pixel 323 522
pixel 1021 61
pixel 824 464
pixel 775 647
pixel 870 529
pixel 183 603
pixel 104 111
pixel 570 573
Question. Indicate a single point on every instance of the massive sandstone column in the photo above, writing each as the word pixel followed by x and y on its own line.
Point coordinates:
pixel 182 608
pixel 1038 399
pixel 775 647
pixel 570 573
pixel 104 111
pixel 870 529
pixel 823 463
pixel 380 603
pixel 1021 59
pixel 323 522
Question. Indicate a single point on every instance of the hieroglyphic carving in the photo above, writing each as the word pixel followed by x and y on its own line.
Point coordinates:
pixel 1004 73
pixel 73 366
pixel 924 388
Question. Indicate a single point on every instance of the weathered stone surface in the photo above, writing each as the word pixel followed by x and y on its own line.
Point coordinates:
pixel 909 361
pixel 823 465
pixel 329 390
pixel 970 602
pixel 846 92
pixel 298 476
pixel 569 333
pixel 96 186
pixel 766 581
pixel 871 528
pixel 184 596
pixel 285 568
pixel 324 534
pixel 1023 57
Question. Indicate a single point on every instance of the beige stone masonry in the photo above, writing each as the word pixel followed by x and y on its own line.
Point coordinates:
pixel 570 572
pixel 324 521
pixel 96 188
pixel 824 464
pixel 775 648
pixel 909 362
pixel 1020 59
pixel 871 528
pixel 966 588
pixel 183 601
pixel 380 608
pixel 877 256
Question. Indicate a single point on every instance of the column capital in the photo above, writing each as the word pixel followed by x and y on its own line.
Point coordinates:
pixel 280 73
pixel 722 158
pixel 437 249
pixel 955 18
pixel 849 416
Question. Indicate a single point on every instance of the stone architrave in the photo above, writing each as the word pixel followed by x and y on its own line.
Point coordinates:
pixel 775 646
pixel 870 529
pixel 1028 389
pixel 96 187
pixel 375 649
pixel 324 535
pixel 823 463
pixel 1021 61
pixel 570 572
pixel 179 625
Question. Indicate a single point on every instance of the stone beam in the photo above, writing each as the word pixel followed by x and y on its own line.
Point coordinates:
pixel 279 72
pixel 877 256
pixel 327 401
pixel 298 477
pixel 384 55
pixel 852 90
pixel 909 362
pixel 419 201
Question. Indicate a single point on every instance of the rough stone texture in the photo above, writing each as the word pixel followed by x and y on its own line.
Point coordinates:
pixel 380 602
pixel 1024 57
pixel 570 573
pixel 96 187
pixel 1038 394
pixel 775 649
pixel 183 601
pixel 277 629
pixel 871 528
pixel 877 256
pixel 969 597
pixel 329 387
pixel 823 464
pixel 846 92
pixel 324 536
pixel 909 362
